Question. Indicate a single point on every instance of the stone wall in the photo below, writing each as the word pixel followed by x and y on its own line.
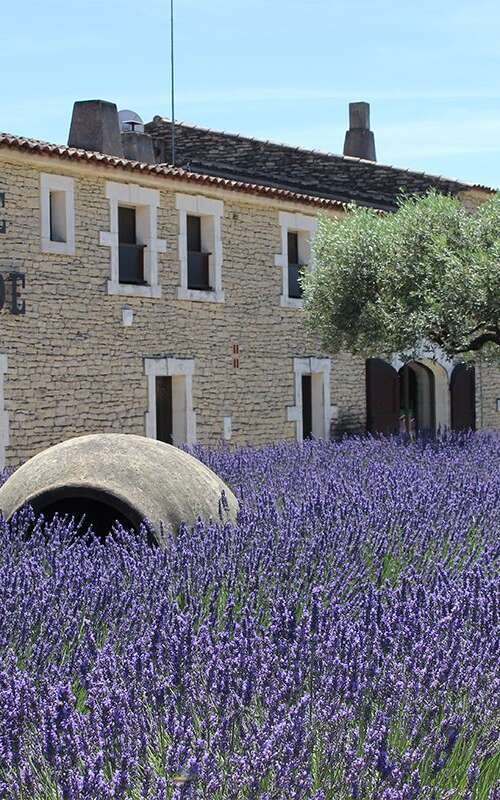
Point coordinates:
pixel 487 395
pixel 73 368
pixel 487 375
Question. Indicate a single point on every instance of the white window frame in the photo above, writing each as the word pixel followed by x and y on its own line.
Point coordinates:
pixel 170 367
pixel 322 417
pixel 200 206
pixel 146 203
pixel 4 416
pixel 306 227
pixel 57 183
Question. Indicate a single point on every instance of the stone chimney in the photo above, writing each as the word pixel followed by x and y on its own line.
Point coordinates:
pixel 359 139
pixel 95 126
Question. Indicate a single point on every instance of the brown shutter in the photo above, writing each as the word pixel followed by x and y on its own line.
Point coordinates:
pixel 382 397
pixel 463 397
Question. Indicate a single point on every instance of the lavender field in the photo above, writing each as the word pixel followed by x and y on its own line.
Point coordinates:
pixel 340 643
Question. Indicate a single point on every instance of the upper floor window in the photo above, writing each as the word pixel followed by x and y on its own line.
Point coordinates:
pixel 133 241
pixel 297 232
pixel 198 256
pixel 130 251
pixel 57 211
pixel 57 205
pixel 295 265
pixel 200 248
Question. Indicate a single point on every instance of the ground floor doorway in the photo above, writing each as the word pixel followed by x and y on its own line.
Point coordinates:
pixel 312 411
pixel 170 417
pixel 417 402
pixel 419 397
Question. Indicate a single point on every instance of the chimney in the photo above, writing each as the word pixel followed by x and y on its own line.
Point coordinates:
pixel 137 145
pixel 95 126
pixel 359 139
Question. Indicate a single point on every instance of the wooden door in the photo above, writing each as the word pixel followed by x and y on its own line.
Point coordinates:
pixel 463 398
pixel 382 397
pixel 306 406
pixel 164 416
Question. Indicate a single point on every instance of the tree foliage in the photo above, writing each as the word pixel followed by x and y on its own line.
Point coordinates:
pixel 386 283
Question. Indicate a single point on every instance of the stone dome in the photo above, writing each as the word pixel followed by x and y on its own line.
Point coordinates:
pixel 115 476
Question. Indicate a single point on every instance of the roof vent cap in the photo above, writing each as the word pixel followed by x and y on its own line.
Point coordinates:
pixel 130 121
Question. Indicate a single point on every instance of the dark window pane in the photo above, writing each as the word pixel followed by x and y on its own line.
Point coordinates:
pixel 164 426
pixel 194 234
pixel 294 287
pixel 306 407
pixel 293 248
pixel 131 263
pixel 198 270
pixel 126 225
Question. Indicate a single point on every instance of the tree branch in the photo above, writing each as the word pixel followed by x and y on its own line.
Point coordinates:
pixel 480 341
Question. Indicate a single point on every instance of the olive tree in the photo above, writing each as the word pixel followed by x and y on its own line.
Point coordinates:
pixel 429 272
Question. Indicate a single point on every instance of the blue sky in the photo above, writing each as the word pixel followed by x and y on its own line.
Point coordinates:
pixel 277 69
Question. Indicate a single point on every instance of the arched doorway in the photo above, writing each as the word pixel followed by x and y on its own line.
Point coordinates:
pixel 417 393
pixel 463 397
pixel 415 398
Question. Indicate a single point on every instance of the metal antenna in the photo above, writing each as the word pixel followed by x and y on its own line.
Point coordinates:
pixel 172 88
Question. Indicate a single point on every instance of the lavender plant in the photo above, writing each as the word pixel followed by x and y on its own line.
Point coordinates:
pixel 339 643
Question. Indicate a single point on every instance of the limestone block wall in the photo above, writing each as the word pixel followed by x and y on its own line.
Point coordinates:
pixel 487 395
pixel 73 368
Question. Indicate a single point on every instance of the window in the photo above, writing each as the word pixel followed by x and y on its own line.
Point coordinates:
pixel 297 231
pixel 170 416
pixel 130 253
pixel 294 266
pixel 198 260
pixel 312 412
pixel 133 241
pixel 200 248
pixel 57 210
pixel 4 416
pixel 57 214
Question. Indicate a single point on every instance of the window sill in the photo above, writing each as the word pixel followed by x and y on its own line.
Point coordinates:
pixel 200 296
pixel 291 302
pixel 58 248
pixel 133 290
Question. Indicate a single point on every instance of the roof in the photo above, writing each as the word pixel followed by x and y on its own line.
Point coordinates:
pixel 241 164
pixel 313 172
pixel 37 147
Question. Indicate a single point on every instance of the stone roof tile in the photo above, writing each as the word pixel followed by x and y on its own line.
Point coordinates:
pixel 343 178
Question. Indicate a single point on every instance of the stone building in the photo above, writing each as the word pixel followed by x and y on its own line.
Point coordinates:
pixel 142 297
